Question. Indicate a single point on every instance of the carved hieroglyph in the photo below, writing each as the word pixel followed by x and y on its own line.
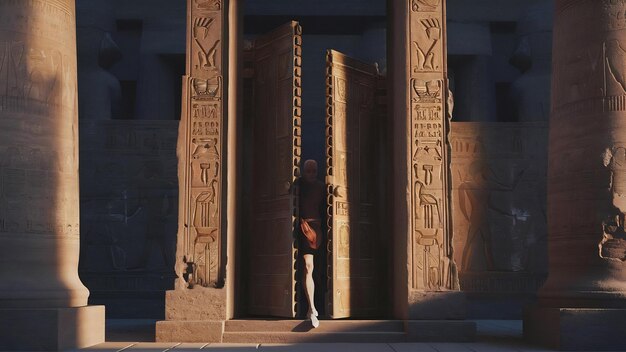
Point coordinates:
pixel 39 216
pixel 201 143
pixel 352 142
pixel 276 166
pixel 430 245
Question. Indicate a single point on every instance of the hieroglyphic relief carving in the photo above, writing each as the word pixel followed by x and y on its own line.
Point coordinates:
pixel 499 200
pixel 426 39
pixel 615 11
pixel 613 244
pixel 38 154
pixel 592 79
pixel 202 143
pixel 353 201
pixel 32 77
pixel 431 262
pixel 208 4
pixel 425 5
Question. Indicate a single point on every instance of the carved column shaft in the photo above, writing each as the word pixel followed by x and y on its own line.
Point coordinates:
pixel 207 172
pixel 201 146
pixel 39 204
pixel 43 304
pixel 582 306
pixel 587 172
pixel 419 89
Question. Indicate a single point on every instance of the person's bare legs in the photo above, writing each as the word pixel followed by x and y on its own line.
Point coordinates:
pixel 309 288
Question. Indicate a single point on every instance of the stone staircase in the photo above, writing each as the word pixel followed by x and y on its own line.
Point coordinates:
pixel 299 331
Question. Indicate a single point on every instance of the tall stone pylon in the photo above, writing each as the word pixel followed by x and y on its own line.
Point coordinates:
pixel 583 303
pixel 43 304
pixel 203 298
pixel 426 285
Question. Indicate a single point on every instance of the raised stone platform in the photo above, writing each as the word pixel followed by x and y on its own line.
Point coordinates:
pixel 51 329
pixel 299 331
pixel 576 329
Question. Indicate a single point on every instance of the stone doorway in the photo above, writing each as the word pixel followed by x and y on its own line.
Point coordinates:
pixel 349 276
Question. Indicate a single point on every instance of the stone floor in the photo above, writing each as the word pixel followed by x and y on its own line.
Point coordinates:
pixel 493 336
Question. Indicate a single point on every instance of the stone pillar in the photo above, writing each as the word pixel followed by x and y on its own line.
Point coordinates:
pixel 43 304
pixel 202 300
pixel 426 283
pixel 583 303
pixel 530 93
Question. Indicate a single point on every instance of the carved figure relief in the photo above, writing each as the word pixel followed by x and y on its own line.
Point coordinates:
pixel 613 243
pixel 32 74
pixel 341 90
pixel 616 61
pixel 616 10
pixel 499 204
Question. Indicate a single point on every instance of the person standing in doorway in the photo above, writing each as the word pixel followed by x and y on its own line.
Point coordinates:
pixel 312 195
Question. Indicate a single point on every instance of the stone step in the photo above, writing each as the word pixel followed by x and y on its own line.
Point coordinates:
pixel 313 337
pixel 297 331
pixel 326 326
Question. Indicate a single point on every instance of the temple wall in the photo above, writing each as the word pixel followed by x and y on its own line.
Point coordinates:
pixel 499 213
pixel 129 212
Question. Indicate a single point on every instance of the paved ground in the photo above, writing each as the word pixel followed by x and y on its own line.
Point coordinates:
pixel 493 336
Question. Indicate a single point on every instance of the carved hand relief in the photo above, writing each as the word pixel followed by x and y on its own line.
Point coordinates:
pixel 616 62
pixel 425 5
pixel 206 44
pixel 427 45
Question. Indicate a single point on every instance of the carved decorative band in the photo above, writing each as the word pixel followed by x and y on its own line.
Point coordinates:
pixel 592 106
pixel 329 171
pixel 297 142
pixel 563 5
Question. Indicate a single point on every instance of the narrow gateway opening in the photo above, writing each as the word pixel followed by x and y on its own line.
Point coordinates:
pixel 303 102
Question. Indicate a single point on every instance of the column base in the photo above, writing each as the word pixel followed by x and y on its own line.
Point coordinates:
pixel 51 329
pixel 446 305
pixel 190 331
pixel 576 329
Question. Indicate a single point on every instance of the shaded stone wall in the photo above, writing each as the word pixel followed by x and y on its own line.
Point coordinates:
pixel 499 213
pixel 129 212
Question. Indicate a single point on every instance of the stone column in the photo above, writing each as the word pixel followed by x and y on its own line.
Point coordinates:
pixel 203 297
pixel 583 303
pixel 43 304
pixel 425 282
